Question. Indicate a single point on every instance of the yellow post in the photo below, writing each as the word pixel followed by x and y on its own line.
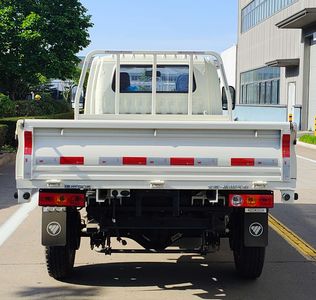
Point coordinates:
pixel 290 117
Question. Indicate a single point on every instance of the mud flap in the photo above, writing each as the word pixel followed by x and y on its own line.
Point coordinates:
pixel 54 221
pixel 256 227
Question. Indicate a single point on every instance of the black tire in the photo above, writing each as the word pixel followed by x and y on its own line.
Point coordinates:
pixel 59 261
pixel 249 261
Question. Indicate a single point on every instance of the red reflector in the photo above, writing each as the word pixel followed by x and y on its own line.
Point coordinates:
pixel 286 148
pixel 181 161
pixel 238 162
pixel 61 199
pixel 134 161
pixel 237 200
pixel 71 160
pixel 28 142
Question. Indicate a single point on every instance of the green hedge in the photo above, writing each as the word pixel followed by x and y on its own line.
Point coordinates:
pixel 40 108
pixel 3 132
pixel 45 106
pixel 7 106
pixel 11 124
pixel 309 139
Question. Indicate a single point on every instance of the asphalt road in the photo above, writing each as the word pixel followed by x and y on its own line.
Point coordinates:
pixel 7 184
pixel 287 274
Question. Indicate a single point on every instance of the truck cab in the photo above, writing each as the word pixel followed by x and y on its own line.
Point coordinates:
pixel 148 92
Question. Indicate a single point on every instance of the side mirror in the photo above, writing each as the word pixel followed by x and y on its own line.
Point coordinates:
pixel 224 98
pixel 73 96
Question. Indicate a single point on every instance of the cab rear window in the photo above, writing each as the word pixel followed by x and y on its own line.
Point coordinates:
pixel 138 79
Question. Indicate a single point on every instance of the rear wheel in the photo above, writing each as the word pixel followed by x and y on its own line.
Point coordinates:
pixel 249 261
pixel 60 259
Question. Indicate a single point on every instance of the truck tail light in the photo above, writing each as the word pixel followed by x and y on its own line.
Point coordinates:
pixel 28 142
pixel 286 145
pixel 248 200
pixel 61 199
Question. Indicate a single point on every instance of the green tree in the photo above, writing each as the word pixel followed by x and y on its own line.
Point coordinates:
pixel 39 39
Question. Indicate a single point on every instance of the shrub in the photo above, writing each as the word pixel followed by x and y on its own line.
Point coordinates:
pixel 46 96
pixel 46 106
pixel 7 106
pixel 3 132
pixel 310 139
pixel 11 124
pixel 41 108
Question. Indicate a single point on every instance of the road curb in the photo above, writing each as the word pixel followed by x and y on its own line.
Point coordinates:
pixel 309 146
pixel 6 158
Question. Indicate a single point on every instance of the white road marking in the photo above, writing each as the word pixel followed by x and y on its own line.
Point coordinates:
pixel 305 158
pixel 9 227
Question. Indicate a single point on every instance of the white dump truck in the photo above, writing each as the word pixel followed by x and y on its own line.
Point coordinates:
pixel 156 157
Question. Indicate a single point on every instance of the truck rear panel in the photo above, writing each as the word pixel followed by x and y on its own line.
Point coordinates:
pixel 155 154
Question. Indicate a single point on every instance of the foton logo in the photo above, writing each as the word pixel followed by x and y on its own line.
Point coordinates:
pixel 53 228
pixel 256 229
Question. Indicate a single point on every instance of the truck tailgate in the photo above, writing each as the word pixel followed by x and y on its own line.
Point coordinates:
pixel 147 154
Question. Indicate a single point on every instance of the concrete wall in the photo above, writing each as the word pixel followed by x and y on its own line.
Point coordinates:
pixel 229 57
pixel 255 113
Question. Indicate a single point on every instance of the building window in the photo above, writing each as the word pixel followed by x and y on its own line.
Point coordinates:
pixel 259 10
pixel 260 86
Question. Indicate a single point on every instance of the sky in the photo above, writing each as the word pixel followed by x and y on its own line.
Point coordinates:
pixel 162 24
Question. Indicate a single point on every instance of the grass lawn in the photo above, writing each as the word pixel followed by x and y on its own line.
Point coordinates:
pixel 310 139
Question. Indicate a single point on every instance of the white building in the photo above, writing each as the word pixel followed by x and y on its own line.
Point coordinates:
pixel 276 60
pixel 229 59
